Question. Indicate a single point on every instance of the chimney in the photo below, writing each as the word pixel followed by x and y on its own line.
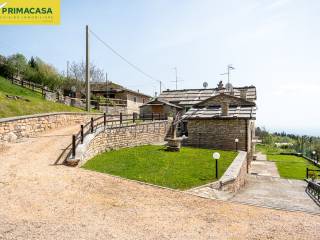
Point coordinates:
pixel 243 94
pixel 225 109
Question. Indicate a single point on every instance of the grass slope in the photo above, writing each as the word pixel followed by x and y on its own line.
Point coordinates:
pixel 290 166
pixel 180 170
pixel 10 108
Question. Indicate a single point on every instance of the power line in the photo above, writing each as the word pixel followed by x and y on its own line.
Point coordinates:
pixel 124 59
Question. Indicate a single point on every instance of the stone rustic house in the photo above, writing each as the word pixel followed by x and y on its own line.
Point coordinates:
pixel 118 98
pixel 187 98
pixel 157 106
pixel 221 119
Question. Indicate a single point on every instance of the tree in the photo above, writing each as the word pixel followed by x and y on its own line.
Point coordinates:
pixel 32 63
pixel 17 64
pixel 78 72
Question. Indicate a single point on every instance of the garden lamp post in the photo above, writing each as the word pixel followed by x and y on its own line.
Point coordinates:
pixel 216 156
pixel 236 141
pixel 314 154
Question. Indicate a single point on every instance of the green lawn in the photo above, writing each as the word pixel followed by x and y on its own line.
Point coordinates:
pixel 10 108
pixel 268 149
pixel 291 167
pixel 180 170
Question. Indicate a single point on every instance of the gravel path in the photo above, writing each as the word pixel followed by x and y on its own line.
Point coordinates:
pixel 42 201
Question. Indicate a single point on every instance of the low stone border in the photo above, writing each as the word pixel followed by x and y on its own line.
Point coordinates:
pixel 14 128
pixel 234 177
pixel 117 137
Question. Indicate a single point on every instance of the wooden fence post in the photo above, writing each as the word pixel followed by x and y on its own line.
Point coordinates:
pixel 81 134
pixel 73 146
pixel 104 119
pixel 151 116
pixel 121 118
pixel 91 125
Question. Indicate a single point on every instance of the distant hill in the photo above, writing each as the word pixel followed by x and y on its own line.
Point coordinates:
pixel 28 103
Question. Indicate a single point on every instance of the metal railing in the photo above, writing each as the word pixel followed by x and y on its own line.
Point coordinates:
pixel 308 171
pixel 314 190
pixel 108 121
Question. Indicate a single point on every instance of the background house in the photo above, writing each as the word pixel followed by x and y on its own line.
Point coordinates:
pixel 159 106
pixel 113 98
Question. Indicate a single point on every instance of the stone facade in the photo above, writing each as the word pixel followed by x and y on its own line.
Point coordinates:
pixel 51 96
pixel 219 133
pixel 113 110
pixel 122 137
pixel 14 128
pixel 166 109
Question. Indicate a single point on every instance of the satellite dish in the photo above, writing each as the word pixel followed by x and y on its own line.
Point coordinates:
pixel 229 87
pixel 205 84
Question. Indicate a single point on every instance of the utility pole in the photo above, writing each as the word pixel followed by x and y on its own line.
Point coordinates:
pixel 176 70
pixel 107 83
pixel 160 87
pixel 106 92
pixel 87 71
pixel 67 69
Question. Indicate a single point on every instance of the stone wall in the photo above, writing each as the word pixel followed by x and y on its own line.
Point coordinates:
pixel 165 109
pixel 121 137
pixel 14 128
pixel 235 176
pixel 113 110
pixel 218 133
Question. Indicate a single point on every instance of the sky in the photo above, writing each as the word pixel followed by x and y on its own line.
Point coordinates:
pixel 273 45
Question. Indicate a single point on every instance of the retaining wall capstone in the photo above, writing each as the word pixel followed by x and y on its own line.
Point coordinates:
pixel 234 177
pixel 121 137
pixel 15 128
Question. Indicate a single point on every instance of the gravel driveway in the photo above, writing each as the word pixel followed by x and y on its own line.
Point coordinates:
pixel 42 201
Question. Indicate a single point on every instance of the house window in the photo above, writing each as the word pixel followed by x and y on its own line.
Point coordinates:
pixel 214 107
pixel 135 99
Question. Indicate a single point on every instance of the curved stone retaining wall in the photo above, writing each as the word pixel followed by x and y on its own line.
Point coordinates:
pixel 235 176
pixel 14 128
pixel 121 137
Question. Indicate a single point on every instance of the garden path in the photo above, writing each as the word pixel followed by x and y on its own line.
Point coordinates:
pixel 262 167
pixel 266 188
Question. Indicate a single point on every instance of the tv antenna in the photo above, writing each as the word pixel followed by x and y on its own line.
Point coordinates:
pixel 177 79
pixel 229 67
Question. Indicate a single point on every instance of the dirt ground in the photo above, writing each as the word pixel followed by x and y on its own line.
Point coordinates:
pixel 42 201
